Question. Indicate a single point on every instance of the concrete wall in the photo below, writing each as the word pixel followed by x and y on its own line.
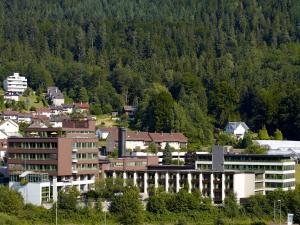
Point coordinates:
pixel 244 185
pixel 31 192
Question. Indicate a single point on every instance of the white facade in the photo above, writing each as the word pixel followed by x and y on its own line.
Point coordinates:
pixel 58 101
pixel 15 83
pixel 175 145
pixel 208 183
pixel 12 97
pixel 244 185
pixel 10 127
pixel 136 145
pixel 31 192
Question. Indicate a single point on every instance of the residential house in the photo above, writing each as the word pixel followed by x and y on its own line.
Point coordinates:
pixel 11 96
pixel 55 96
pixel 175 140
pixel 9 127
pixel 17 116
pixel 237 129
pixel 43 111
pixel 81 107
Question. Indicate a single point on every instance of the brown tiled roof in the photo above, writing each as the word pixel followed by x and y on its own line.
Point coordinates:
pixel 168 137
pixel 10 113
pixel 138 136
pixel 43 109
pixel 114 132
pixel 82 105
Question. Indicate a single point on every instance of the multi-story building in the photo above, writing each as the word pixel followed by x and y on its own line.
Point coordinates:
pixel 15 84
pixel 279 169
pixel 68 155
pixel 146 174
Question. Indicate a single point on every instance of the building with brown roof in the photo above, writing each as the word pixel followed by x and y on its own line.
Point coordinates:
pixel 175 140
pixel 139 141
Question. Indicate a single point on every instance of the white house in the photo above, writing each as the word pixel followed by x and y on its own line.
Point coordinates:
pixel 238 129
pixel 9 127
pixel 11 96
pixel 15 83
pixel 55 95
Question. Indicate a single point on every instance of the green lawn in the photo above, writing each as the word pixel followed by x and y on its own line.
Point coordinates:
pixel 31 101
pixel 297 174
pixel 105 121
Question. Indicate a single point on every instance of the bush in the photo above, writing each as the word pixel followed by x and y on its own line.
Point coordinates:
pixel 11 202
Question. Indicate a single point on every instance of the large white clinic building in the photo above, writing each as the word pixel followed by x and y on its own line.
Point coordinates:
pixel 15 84
pixel 279 170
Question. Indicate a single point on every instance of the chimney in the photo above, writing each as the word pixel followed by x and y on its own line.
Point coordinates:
pixel 122 142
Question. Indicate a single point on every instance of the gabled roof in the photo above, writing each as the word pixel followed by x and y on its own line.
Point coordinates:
pixel 234 125
pixel 113 131
pixel 168 137
pixel 10 121
pixel 138 136
pixel 10 113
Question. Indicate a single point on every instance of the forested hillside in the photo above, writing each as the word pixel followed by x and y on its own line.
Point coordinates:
pixel 188 65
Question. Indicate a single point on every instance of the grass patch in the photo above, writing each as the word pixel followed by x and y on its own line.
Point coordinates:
pixel 105 120
pixel 31 101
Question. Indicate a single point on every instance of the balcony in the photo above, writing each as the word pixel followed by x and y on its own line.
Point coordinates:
pixel 74 171
pixel 74 150
pixel 74 160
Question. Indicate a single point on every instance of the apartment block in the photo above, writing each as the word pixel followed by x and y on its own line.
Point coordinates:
pixel 68 155
pixel 15 84
pixel 279 169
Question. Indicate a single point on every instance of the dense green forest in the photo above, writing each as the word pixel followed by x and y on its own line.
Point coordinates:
pixel 188 65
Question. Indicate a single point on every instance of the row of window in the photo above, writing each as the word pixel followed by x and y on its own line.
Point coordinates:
pixel 80 132
pixel 33 167
pixel 119 164
pixel 85 145
pixel 34 178
pixel 33 156
pixel 280 185
pixel 280 176
pixel 33 145
pixel 85 166
pixel 86 155
pixel 259 167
